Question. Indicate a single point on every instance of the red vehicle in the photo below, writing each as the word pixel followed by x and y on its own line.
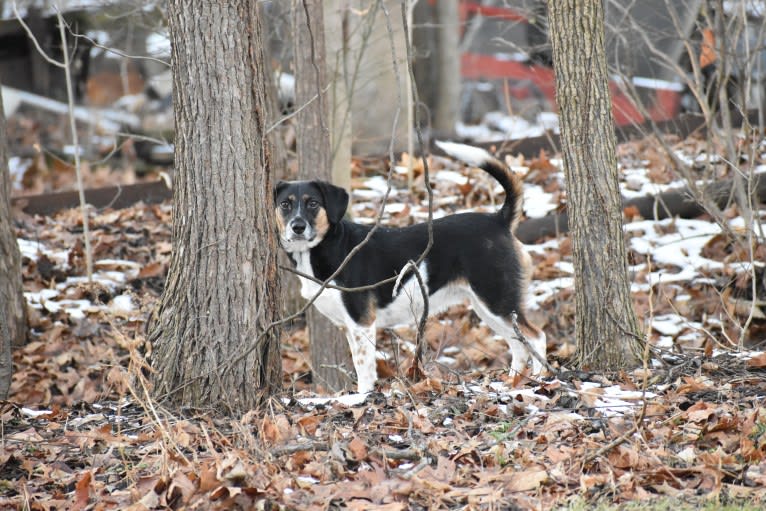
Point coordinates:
pixel 509 49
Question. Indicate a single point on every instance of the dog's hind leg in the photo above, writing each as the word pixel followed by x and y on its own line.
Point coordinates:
pixel 539 342
pixel 504 327
pixel 361 340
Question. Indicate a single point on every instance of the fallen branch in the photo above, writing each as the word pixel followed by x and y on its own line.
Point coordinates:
pixel 667 204
pixel 392 454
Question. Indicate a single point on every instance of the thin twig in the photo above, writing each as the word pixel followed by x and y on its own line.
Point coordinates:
pixel 72 125
pixel 523 340
pixel 417 363
pixel 76 143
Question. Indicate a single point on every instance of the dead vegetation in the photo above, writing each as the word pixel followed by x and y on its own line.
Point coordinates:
pixel 79 433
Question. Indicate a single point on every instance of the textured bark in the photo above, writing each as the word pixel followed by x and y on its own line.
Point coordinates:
pixel 606 325
pixel 13 321
pixel 211 343
pixel 330 354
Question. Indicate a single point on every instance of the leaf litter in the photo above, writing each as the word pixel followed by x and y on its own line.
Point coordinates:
pixel 691 426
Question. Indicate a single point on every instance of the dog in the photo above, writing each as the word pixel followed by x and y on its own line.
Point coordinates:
pixel 474 257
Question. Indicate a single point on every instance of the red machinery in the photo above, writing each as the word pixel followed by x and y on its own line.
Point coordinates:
pixel 535 77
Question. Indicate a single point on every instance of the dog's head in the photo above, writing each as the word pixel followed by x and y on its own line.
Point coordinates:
pixel 306 210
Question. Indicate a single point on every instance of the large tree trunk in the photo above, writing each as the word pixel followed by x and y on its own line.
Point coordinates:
pixel 606 326
pixel 330 355
pixel 211 337
pixel 13 320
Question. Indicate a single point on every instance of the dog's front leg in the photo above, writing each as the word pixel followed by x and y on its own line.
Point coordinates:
pixel 361 340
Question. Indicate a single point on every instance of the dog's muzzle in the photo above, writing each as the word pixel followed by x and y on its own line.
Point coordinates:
pixel 299 235
pixel 298 227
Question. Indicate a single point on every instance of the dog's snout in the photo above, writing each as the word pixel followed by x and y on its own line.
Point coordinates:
pixel 298 226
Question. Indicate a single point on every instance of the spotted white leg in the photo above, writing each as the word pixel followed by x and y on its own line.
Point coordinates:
pixel 361 340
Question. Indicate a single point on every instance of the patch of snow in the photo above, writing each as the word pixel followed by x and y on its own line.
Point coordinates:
pixel 668 324
pixel 30 249
pixel 71 150
pixel 106 120
pixel 451 176
pixel 123 303
pixel 664 342
pixel 500 125
pixel 34 413
pixel 37 299
pixel 654 83
pixel 552 245
pixel 17 166
pixel 636 183
pixel 541 290
pixel 755 8
pixel 158 45
pixel 347 400
pixel 537 203
pixel 680 249
pixel 549 121
pixel 613 400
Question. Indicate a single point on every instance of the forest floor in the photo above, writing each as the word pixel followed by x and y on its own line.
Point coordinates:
pixel 686 433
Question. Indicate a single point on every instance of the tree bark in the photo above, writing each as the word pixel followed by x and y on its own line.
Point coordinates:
pixel 212 342
pixel 339 100
pixel 606 325
pixel 330 355
pixel 448 67
pixel 13 319
pixel 379 71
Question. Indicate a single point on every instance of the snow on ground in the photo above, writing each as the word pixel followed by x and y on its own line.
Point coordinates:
pixel 674 247
pixel 110 273
pixel 501 126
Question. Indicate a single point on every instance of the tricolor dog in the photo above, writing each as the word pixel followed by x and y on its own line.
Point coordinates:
pixel 474 257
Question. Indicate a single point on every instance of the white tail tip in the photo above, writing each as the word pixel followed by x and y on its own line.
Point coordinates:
pixel 471 155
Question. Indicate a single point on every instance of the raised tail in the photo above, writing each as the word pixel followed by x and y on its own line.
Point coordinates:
pixel 511 183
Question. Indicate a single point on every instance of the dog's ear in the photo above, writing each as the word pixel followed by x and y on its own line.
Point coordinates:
pixel 278 189
pixel 335 201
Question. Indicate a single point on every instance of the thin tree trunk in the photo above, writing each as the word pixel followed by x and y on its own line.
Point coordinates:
pixel 339 92
pixel 212 344
pixel 330 355
pixel 606 325
pixel 448 67
pixel 13 320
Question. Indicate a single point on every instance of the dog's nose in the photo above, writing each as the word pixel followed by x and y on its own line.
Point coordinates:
pixel 298 226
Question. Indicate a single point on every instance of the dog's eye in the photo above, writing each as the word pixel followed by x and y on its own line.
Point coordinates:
pixel 285 204
pixel 313 204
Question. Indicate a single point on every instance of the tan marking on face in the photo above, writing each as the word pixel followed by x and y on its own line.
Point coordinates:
pixel 321 223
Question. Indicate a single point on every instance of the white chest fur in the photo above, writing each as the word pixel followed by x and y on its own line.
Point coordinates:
pixel 329 302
